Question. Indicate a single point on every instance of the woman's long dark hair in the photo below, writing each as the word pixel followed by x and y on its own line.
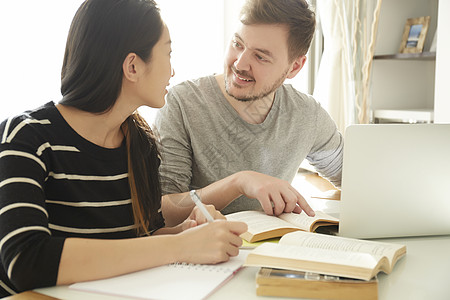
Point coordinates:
pixel 102 34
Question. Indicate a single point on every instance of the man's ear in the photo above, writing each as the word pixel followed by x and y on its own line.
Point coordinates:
pixel 297 65
pixel 129 67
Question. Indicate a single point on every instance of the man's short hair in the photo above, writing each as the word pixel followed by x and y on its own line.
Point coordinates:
pixel 295 14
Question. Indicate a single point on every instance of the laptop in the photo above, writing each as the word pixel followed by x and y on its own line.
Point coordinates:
pixel 395 181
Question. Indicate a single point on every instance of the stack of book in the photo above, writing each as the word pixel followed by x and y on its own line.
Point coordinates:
pixel 308 264
pixel 289 283
pixel 314 265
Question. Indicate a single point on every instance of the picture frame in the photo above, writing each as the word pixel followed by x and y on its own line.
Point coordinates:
pixel 414 35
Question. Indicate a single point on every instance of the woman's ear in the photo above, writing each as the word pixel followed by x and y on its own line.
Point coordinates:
pixel 129 67
pixel 297 65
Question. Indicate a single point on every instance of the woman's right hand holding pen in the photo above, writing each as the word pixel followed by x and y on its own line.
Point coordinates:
pixel 211 243
pixel 197 217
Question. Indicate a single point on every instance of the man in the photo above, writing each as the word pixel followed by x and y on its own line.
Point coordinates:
pixel 246 118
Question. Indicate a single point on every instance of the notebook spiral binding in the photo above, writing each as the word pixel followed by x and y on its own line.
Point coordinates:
pixel 208 268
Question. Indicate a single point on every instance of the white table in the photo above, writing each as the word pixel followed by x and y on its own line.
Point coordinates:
pixel 422 274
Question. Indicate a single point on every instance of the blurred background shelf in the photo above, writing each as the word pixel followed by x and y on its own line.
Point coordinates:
pixel 408 56
pixel 403 116
pixel 402 84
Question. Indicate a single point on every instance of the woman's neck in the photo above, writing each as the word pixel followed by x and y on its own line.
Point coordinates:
pixel 102 129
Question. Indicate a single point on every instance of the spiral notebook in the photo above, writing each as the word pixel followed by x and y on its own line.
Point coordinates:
pixel 174 281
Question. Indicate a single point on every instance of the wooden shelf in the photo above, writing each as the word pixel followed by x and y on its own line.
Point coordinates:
pixel 408 56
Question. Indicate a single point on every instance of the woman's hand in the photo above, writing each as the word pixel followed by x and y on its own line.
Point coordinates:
pixel 211 243
pixel 275 195
pixel 197 218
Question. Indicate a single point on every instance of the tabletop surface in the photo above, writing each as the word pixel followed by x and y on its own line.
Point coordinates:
pixel 421 274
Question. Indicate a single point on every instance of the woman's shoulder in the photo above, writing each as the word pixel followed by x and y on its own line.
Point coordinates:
pixel 28 124
pixel 44 111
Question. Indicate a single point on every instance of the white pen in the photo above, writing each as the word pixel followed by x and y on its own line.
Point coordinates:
pixel 200 205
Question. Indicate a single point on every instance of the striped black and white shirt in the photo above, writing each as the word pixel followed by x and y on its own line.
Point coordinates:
pixel 55 184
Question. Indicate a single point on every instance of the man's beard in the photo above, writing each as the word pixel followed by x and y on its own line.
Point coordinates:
pixel 249 97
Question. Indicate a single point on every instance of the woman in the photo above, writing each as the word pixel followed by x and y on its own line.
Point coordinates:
pixel 79 189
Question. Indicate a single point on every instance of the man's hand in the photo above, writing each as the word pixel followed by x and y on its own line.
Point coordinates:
pixel 275 195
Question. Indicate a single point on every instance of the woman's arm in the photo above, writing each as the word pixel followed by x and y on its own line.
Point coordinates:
pixel 90 259
pixel 275 195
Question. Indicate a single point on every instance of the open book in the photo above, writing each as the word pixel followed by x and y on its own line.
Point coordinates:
pixel 262 226
pixel 327 254
pixel 298 284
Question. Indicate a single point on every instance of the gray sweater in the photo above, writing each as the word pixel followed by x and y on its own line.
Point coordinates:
pixel 204 139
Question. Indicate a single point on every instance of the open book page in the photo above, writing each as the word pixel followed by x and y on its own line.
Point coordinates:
pixel 261 226
pixel 314 241
pixel 299 258
pixel 313 252
pixel 330 207
pixel 258 221
pixel 307 223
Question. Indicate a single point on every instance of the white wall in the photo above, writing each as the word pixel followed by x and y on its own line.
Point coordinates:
pixel 442 90
pixel 33 36
pixel 196 28
pixel 197 32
